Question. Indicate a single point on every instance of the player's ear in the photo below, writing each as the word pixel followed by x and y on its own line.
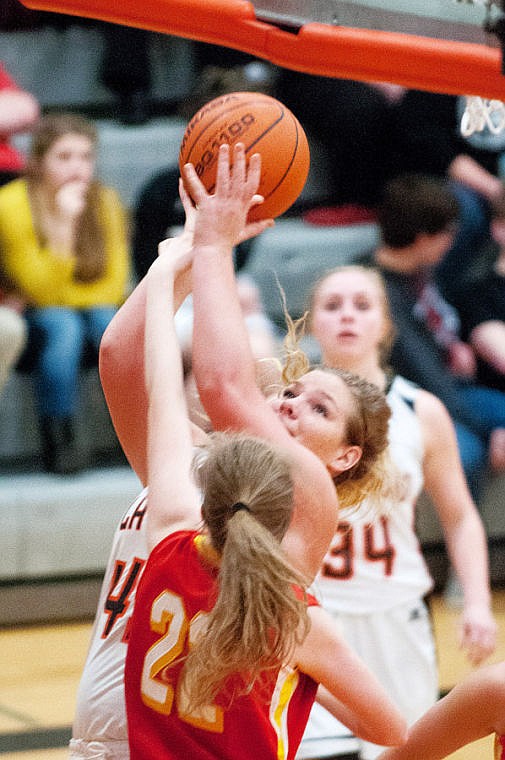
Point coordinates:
pixel 346 458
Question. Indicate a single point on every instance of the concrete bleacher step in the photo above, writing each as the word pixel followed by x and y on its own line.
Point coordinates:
pixel 55 540
pixel 61 525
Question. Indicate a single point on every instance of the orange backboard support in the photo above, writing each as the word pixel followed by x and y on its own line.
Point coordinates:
pixel 418 62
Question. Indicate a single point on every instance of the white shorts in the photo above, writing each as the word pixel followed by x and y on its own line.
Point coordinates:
pixel 79 749
pixel 398 647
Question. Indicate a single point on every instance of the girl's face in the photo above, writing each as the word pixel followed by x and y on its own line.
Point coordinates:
pixel 348 318
pixel 315 410
pixel 71 158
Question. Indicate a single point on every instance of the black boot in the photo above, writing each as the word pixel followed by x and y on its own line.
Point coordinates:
pixel 60 451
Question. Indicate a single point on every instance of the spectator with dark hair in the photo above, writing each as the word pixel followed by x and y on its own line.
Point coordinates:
pixel 417 219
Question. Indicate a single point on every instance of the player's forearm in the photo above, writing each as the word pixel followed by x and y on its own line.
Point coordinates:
pixel 466 170
pixel 474 573
pixel 219 323
pixel 19 111
pixel 121 365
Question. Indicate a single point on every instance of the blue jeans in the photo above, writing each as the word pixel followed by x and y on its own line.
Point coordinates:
pixel 63 334
pixel 490 404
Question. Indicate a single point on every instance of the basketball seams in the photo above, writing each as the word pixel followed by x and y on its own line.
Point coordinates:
pixel 219 118
pixel 213 106
pixel 290 164
pixel 249 148
pixel 264 125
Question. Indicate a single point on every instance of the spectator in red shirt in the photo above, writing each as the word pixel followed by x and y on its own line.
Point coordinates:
pixel 19 111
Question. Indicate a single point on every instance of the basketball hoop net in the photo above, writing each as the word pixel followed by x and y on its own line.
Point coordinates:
pixel 482 114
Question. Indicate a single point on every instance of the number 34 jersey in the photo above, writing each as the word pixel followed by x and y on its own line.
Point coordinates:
pixel 373 566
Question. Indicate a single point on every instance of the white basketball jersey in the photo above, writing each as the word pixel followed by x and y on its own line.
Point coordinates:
pixel 373 566
pixel 101 713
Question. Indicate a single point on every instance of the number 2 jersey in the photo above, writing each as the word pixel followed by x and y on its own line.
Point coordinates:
pixel 100 711
pixel 374 566
pixel 176 591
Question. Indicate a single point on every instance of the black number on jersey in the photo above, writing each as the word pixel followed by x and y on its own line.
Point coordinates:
pixel 118 599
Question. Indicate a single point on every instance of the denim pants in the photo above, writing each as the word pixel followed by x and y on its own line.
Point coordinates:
pixel 63 333
pixel 490 406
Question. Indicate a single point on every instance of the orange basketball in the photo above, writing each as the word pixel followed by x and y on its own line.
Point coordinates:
pixel 265 126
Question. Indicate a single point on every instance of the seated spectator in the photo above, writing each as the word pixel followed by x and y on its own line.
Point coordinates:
pixel 417 219
pixel 64 246
pixel 380 131
pixel 19 112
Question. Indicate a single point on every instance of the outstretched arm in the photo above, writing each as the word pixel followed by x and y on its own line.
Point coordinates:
pixel 121 359
pixel 19 110
pixel 121 366
pixel 348 689
pixel 222 360
pixel 473 709
pixel 173 499
pixel 464 531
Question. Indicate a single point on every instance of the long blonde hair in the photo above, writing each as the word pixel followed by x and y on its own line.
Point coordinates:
pixel 258 617
pixel 90 243
pixel 372 477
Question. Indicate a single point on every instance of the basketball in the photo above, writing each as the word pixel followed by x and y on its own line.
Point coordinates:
pixel 264 125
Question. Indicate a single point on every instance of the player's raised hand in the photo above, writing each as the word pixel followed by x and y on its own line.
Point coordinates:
pixel 222 216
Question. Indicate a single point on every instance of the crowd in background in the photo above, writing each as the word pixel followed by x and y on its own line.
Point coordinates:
pixel 371 135
pixel 71 253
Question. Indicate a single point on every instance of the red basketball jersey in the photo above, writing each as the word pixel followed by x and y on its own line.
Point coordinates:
pixel 176 591
pixel 499 748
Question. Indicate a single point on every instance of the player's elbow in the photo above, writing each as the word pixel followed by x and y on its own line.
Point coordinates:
pixel 390 733
pixel 106 354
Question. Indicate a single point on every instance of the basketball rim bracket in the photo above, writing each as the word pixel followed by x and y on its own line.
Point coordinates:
pixel 463 20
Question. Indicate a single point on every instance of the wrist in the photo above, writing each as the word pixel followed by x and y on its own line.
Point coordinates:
pixel 213 249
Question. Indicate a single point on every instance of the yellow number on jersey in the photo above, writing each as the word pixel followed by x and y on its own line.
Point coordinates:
pixel 168 618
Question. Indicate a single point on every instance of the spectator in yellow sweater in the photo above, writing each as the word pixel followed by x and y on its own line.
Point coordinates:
pixel 64 246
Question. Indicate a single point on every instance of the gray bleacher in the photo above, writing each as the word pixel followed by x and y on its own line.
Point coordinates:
pixel 60 528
